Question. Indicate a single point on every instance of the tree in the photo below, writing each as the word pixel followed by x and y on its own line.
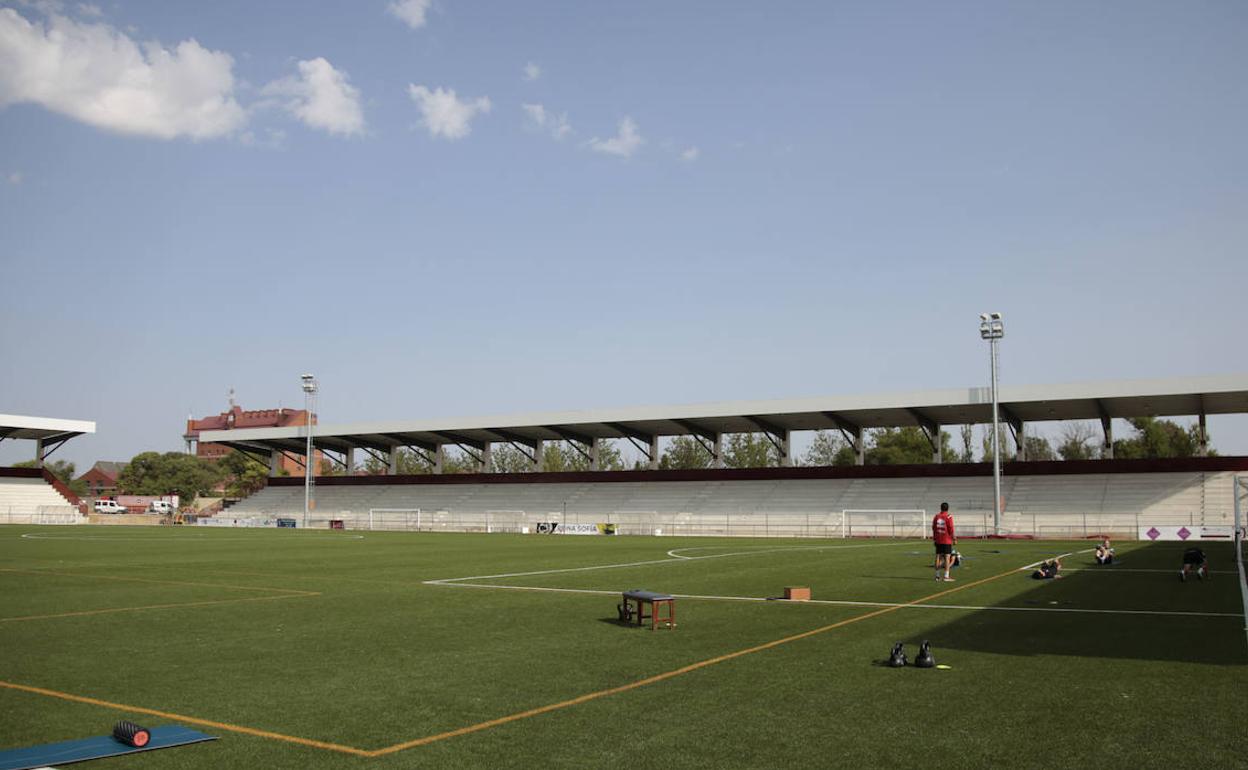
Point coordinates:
pixel 171 473
pixel 906 446
pixel 559 456
pixel 685 452
pixel 1158 438
pixel 407 463
pixel 968 442
pixel 750 450
pixel 63 470
pixel 242 474
pixel 1038 448
pixel 1077 442
pixel 1003 438
pixel 505 458
pixel 829 448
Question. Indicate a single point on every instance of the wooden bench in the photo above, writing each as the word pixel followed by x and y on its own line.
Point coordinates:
pixel 654 601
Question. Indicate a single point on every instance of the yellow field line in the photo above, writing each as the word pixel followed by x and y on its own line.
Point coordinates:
pixel 155 607
pixel 190 720
pixel 670 674
pixel 128 578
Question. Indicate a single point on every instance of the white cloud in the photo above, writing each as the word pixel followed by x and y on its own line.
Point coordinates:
pixel 624 143
pixel 691 154
pixel 411 12
pixel 532 71
pixel 321 97
pixel 537 117
pixel 15 177
pixel 97 75
pixel 443 113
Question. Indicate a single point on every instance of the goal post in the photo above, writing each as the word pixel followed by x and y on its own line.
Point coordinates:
pixel 378 518
pixel 884 522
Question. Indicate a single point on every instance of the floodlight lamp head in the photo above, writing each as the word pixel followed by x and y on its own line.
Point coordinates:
pixel 309 383
pixel 983 316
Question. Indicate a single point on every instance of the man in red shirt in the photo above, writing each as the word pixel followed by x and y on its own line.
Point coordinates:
pixel 942 535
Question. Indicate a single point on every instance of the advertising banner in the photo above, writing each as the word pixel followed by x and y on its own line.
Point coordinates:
pixel 558 528
pixel 1183 532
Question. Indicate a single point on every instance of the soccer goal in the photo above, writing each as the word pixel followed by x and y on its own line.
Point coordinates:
pixel 503 520
pixel 884 522
pixel 405 519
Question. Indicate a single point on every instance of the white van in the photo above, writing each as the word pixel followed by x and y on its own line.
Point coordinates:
pixel 160 506
pixel 109 506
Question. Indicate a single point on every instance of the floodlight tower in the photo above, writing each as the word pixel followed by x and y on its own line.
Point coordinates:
pixel 309 405
pixel 992 329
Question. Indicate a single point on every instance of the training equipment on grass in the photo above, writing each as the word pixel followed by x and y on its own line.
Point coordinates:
pixel 797 593
pixel 897 658
pixel 102 746
pixel 655 601
pixel 131 734
pixel 924 659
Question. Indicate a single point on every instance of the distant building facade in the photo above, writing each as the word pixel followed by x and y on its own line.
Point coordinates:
pixel 236 418
pixel 101 480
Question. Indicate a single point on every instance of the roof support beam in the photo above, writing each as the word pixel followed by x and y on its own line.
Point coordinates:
pixel 710 440
pixel 583 444
pixel 1018 428
pixel 854 435
pixel 400 440
pixel 931 429
pixel 779 437
pixel 1107 425
pixel 629 431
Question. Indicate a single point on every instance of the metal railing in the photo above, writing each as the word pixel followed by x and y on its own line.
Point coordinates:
pixel 812 524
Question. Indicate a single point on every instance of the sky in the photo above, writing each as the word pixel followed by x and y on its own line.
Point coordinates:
pixel 445 208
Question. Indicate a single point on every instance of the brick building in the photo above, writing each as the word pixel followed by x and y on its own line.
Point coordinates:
pixel 101 480
pixel 236 417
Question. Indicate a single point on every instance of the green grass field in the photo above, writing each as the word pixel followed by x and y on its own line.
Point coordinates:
pixel 336 639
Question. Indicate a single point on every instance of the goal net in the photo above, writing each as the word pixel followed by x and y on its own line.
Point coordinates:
pixel 885 522
pixel 401 519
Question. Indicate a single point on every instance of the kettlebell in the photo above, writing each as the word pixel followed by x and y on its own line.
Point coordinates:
pixel 897 659
pixel 924 659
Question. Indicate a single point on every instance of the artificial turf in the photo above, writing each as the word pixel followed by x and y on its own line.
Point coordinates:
pixel 337 638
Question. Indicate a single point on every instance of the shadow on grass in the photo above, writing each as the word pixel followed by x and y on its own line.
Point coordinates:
pixel 1038 626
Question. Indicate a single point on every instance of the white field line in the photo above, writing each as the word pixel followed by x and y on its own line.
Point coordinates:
pixel 1059 556
pixel 848 603
pixel 1111 569
pixel 673 560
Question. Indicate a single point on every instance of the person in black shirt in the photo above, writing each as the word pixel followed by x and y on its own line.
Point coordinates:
pixel 1194 558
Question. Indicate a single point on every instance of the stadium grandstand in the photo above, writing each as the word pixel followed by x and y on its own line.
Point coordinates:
pixel 1040 499
pixel 33 495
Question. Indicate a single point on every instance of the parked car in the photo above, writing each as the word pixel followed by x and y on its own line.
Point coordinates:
pixel 160 506
pixel 109 506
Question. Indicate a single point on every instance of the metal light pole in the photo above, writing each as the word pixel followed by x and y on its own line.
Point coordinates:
pixel 992 329
pixel 309 405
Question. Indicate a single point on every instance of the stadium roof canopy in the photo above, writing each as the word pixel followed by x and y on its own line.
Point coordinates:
pixel 1224 394
pixel 49 433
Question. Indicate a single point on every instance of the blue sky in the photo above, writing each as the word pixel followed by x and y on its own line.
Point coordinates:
pixel 715 200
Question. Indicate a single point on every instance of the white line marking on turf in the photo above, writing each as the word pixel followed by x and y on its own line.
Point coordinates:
pixel 673 560
pixel 849 603
pixel 1111 569
pixel 1059 556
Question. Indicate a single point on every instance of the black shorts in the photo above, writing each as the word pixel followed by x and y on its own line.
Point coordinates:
pixel 1193 557
pixel 944 548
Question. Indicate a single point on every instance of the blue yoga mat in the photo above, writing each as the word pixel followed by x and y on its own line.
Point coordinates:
pixel 101 746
